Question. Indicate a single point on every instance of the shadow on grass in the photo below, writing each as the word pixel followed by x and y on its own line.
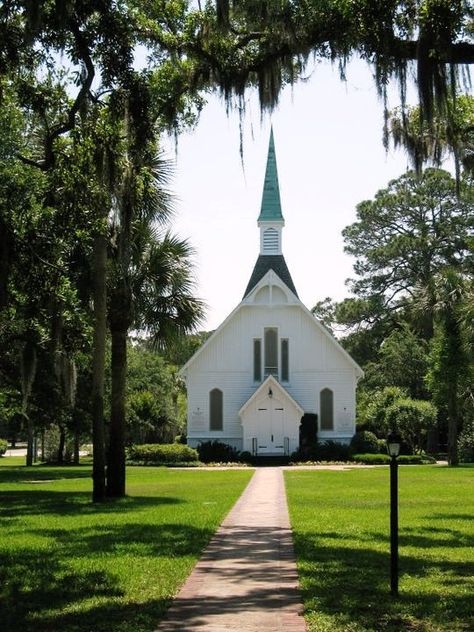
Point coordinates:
pixel 36 586
pixel 351 584
pixel 43 472
pixel 38 502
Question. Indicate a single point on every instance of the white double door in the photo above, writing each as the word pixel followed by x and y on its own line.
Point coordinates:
pixel 270 426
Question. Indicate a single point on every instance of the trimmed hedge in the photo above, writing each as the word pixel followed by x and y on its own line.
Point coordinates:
pixel 162 453
pixel 371 459
pixel 3 446
pixel 415 459
pixel 382 459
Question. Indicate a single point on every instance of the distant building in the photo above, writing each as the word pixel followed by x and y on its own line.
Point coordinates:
pixel 270 361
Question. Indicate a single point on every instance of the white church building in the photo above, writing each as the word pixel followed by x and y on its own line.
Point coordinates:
pixel 271 361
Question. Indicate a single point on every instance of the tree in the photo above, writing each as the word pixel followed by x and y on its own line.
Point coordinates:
pixel 409 232
pixel 412 419
pixel 372 411
pixel 154 393
pixel 402 361
pixel 97 42
pixel 151 277
pixel 269 43
pixel 454 135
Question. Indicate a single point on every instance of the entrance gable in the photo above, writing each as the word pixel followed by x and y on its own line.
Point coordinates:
pixel 277 390
pixel 270 420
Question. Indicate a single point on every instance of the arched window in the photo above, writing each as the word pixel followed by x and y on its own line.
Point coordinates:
pixel 326 407
pixel 257 359
pixel 271 351
pixel 216 416
pixel 271 242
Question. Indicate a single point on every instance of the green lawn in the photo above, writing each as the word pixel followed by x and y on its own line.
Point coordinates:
pixel 341 531
pixel 68 565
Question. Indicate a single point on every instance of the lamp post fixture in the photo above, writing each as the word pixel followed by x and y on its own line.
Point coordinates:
pixel 393 448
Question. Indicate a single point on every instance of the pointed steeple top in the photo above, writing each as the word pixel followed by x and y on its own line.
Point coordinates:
pixel 271 206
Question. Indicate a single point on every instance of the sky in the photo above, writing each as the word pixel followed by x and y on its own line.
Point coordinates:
pixel 330 157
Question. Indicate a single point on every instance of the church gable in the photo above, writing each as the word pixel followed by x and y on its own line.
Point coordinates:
pixel 262 266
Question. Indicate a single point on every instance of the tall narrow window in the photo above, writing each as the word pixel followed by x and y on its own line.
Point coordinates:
pixel 285 365
pixel 215 409
pixel 327 409
pixel 257 360
pixel 271 352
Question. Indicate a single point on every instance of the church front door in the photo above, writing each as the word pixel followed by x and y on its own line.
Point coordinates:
pixel 270 426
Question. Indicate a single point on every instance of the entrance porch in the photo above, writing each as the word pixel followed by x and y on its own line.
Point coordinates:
pixel 270 421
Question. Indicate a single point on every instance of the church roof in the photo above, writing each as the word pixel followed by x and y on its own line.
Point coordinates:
pixel 271 206
pixel 265 263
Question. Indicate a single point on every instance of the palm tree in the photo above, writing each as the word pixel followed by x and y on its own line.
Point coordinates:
pixel 449 356
pixel 151 285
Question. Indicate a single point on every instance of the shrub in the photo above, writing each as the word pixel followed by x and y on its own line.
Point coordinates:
pixel 162 453
pixel 332 451
pixel 308 434
pixel 245 457
pixel 371 459
pixel 466 444
pixel 364 442
pixel 3 446
pixel 325 451
pixel 415 459
pixel 215 451
pixel 382 459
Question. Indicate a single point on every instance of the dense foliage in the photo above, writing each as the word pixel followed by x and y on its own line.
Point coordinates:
pixel 409 321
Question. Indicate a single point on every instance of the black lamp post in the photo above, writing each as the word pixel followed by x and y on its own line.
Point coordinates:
pixel 393 448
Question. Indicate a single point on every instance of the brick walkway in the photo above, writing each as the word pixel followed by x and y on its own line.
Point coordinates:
pixel 246 579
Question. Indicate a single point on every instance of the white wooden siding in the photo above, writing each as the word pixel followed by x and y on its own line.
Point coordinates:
pixel 315 362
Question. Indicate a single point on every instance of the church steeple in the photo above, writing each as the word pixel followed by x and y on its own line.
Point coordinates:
pixel 271 223
pixel 271 219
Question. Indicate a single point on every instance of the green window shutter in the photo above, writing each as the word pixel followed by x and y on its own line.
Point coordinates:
pixel 216 401
pixel 285 364
pixel 257 360
pixel 327 409
pixel 271 352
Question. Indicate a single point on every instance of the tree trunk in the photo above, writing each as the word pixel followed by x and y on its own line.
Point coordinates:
pixel 75 456
pixel 62 443
pixel 116 455
pixel 453 458
pixel 30 440
pixel 28 374
pixel 5 237
pixel 42 446
pixel 98 367
pixel 454 361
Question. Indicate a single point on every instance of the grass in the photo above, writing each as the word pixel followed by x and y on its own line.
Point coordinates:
pixel 67 565
pixel 341 530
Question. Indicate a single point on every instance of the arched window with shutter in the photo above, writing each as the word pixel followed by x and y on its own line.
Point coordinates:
pixel 216 416
pixel 326 407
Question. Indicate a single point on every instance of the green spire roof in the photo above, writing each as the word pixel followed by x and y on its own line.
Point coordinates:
pixel 271 206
